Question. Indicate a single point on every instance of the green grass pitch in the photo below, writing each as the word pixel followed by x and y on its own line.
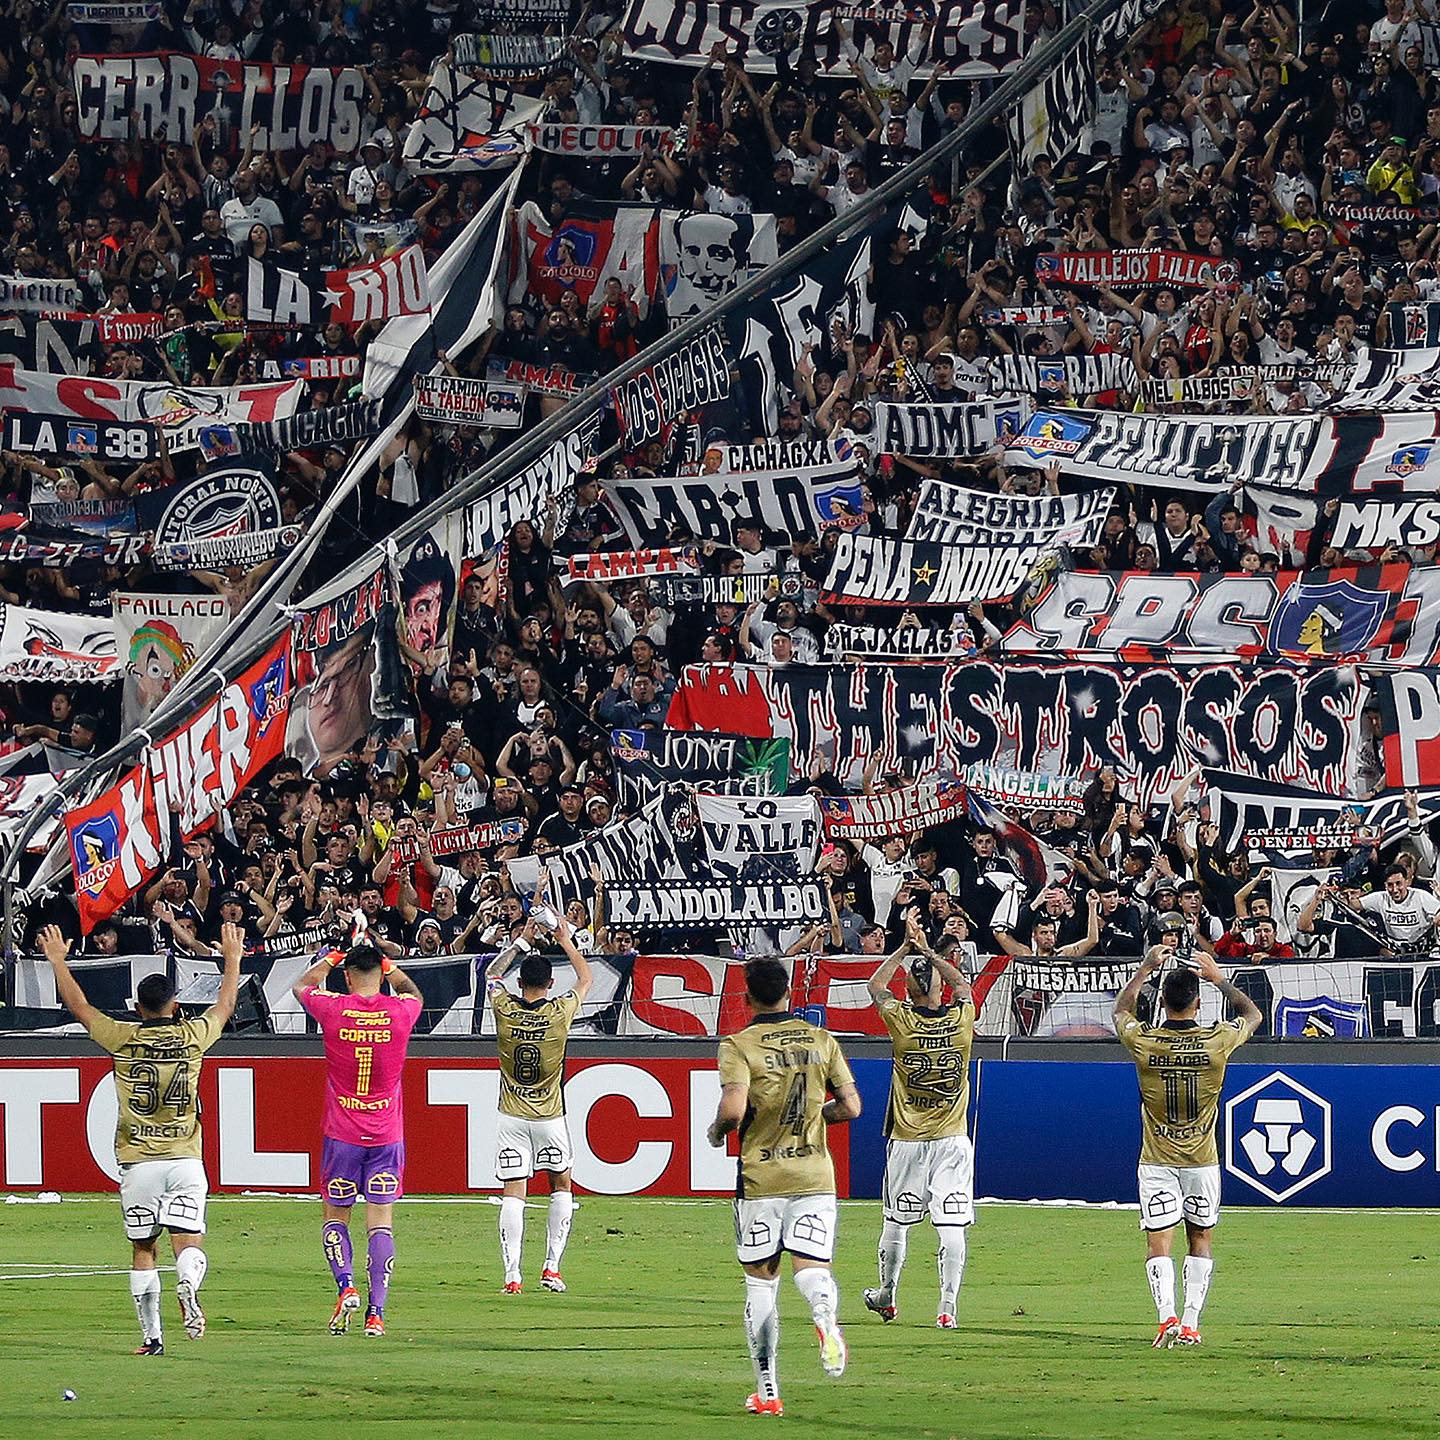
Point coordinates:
pixel 1319 1325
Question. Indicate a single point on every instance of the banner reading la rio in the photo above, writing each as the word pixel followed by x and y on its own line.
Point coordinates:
pixel 120 841
pixel 1153 725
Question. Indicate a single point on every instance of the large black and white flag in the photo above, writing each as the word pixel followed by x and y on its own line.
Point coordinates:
pixel 1393 379
pixel 875 570
pixel 950 515
pixel 956 429
pixel 764 838
pixel 467 122
pixel 707 507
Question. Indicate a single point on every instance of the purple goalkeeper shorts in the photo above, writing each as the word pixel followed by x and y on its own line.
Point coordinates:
pixel 361 1172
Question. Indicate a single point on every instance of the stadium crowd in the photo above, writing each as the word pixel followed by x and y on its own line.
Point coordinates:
pixel 1222 130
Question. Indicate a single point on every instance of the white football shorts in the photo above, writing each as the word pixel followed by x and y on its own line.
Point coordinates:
pixel 934 1176
pixel 1172 1193
pixel 802 1224
pixel 158 1195
pixel 524 1146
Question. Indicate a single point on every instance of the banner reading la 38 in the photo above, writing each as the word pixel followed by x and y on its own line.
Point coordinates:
pixel 120 840
pixel 171 94
pixel 1298 727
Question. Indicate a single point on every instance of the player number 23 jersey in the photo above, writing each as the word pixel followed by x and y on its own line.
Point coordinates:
pixel 532 1038
pixel 157 1084
pixel 788 1065
pixel 930 1081
pixel 1181 1069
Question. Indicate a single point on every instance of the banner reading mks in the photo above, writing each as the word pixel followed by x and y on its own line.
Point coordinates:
pixel 170 94
pixel 119 841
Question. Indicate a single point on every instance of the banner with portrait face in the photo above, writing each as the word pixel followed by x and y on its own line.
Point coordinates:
pixel 704 256
pixel 428 592
pixel 55 647
pixel 158 638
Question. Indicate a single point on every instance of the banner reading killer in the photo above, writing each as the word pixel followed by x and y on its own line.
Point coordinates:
pixel 182 411
pixel 875 570
pixel 949 515
pixel 171 93
pixel 790 502
pixel 959 429
pixel 592 244
pixel 696 374
pixel 1153 724
pixel 120 840
pixel 1119 269
pixel 1310 454
pixel 892 812
pixel 1390 613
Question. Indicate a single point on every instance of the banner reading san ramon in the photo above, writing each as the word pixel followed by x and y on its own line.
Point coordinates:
pixel 1384 614
pixel 875 570
pixel 170 93
pixel 1152 723
pixel 120 840
pixel 950 515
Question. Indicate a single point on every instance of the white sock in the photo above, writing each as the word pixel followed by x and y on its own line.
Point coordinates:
pixel 894 1238
pixel 557 1227
pixel 1197 1270
pixel 952 1267
pixel 818 1287
pixel 145 1291
pixel 762 1333
pixel 191 1265
pixel 512 1234
pixel 1160 1271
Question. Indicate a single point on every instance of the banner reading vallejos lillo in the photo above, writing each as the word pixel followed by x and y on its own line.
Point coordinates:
pixel 1134 267
pixel 119 841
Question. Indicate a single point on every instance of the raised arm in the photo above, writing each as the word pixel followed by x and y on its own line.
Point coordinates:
pixel 232 947
pixel 583 976
pixel 56 949
pixel 1244 1007
pixel 1126 1000
pixel 879 983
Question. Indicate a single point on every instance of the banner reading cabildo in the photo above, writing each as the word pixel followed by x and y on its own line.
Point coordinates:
pixel 121 839
pixel 1153 725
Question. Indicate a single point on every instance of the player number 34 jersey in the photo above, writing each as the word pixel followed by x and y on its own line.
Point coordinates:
pixel 788 1065
pixel 1182 1069
pixel 157 1084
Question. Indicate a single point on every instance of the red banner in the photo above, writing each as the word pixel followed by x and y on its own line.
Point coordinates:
pixel 637 1128
pixel 118 842
pixel 1120 268
pixel 395 285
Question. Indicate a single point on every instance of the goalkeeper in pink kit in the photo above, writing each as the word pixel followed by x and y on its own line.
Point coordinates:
pixel 366 1036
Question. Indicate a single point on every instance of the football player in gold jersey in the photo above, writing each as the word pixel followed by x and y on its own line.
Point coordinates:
pixel 157 1136
pixel 774 1075
pixel 1181 1066
pixel 531 1133
pixel 929 1163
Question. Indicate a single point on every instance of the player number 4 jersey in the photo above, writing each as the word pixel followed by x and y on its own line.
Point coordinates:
pixel 930 1080
pixel 532 1036
pixel 157 1084
pixel 1182 1069
pixel 788 1065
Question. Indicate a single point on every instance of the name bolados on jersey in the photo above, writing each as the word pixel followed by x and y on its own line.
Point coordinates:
pixel 157 1084
pixel 930 1079
pixel 1182 1068
pixel 532 1036
pixel 788 1065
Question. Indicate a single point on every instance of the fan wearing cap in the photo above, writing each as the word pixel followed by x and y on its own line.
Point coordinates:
pixel 929 1162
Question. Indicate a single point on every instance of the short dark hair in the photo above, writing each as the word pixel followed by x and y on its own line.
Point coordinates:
pixel 1181 989
pixel 154 993
pixel 536 972
pixel 767 981
pixel 363 959
pixel 922 973
pixel 1396 870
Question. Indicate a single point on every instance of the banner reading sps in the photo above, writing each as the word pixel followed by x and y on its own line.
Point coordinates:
pixel 637 1128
